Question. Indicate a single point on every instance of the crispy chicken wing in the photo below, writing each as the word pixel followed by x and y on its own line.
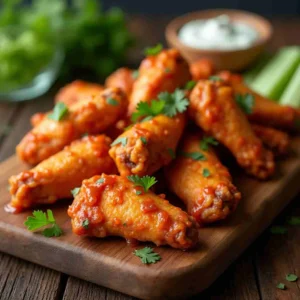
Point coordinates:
pixel 145 147
pixel 202 69
pixel 92 116
pixel 214 109
pixel 121 78
pixel 110 206
pixel 55 177
pixel 204 185
pixel 163 72
pixel 77 90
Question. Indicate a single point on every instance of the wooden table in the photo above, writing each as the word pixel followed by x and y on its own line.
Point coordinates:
pixel 253 276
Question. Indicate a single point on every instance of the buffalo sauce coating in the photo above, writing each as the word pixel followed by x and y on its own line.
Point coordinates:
pixel 208 198
pixel 214 109
pixel 55 177
pixel 110 206
pixel 161 133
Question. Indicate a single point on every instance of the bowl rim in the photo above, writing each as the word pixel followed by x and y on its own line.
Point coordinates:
pixel 171 31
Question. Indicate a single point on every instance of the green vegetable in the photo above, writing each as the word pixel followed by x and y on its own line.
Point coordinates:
pixel 291 277
pixel 153 50
pixel 281 286
pixel 295 221
pixel 120 140
pixel 150 110
pixel 291 94
pixel 194 155
pixel 271 81
pixel 205 173
pixel 85 224
pixel 245 102
pixel 172 153
pixel 144 140
pixel 146 182
pixel 190 85
pixel 59 112
pixel 100 181
pixel 75 191
pixel 40 220
pixel 278 230
pixel 215 78
pixel 112 101
pixel 138 192
pixel 147 255
pixel 206 141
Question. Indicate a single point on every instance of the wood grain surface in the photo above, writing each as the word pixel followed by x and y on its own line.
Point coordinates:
pixel 254 275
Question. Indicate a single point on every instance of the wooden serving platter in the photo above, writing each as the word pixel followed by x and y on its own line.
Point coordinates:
pixel 109 262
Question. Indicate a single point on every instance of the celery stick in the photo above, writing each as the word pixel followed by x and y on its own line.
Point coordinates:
pixel 291 94
pixel 255 69
pixel 272 80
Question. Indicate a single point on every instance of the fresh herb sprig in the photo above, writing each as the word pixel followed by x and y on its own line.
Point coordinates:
pixel 153 50
pixel 146 182
pixel 206 141
pixel 147 255
pixel 245 102
pixel 59 112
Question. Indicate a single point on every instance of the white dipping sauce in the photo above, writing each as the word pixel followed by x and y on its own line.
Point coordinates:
pixel 219 33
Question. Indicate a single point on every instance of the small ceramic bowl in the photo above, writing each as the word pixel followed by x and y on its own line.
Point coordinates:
pixel 233 60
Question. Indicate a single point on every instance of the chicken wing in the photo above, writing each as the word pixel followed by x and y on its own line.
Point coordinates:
pixel 202 69
pixel 214 109
pixel 204 185
pixel 123 79
pixel 92 116
pixel 77 90
pixel 163 72
pixel 55 177
pixel 145 147
pixel 110 206
pixel 265 111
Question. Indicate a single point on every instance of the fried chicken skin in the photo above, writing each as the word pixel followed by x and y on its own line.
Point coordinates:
pixel 202 69
pixel 145 147
pixel 55 177
pixel 205 186
pixel 213 108
pixel 111 207
pixel 92 116
pixel 122 78
pixel 161 73
pixel 265 111
pixel 276 140
pixel 77 90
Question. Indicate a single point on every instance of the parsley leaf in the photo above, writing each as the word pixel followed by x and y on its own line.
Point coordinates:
pixel 172 153
pixel 153 50
pixel 144 140
pixel 85 224
pixel 278 230
pixel 281 286
pixel 145 182
pixel 112 101
pixel 75 191
pixel 194 155
pixel 293 221
pixel 291 277
pixel 205 173
pixel 144 109
pixel 147 255
pixel 190 85
pixel 59 112
pixel 174 103
pixel 99 181
pixel 206 141
pixel 138 192
pixel 40 220
pixel 135 74
pixel 215 78
pixel 245 102
pixel 167 70
pixel 119 140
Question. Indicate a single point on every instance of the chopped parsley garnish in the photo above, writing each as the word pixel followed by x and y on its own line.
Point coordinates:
pixel 153 50
pixel 215 78
pixel 138 192
pixel 172 153
pixel 100 181
pixel 112 101
pixel 174 103
pixel 194 155
pixel 75 191
pixel 85 224
pixel 206 173
pixel 190 85
pixel 293 221
pixel 167 70
pixel 278 230
pixel 135 74
pixel 281 286
pixel 85 134
pixel 291 277
pixel 144 109
pixel 144 140
pixel 146 182
pixel 206 141
pixel 147 255
pixel 120 140
pixel 59 112
pixel 40 220
pixel 245 102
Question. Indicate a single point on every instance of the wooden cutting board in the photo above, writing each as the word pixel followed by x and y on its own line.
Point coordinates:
pixel 109 262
